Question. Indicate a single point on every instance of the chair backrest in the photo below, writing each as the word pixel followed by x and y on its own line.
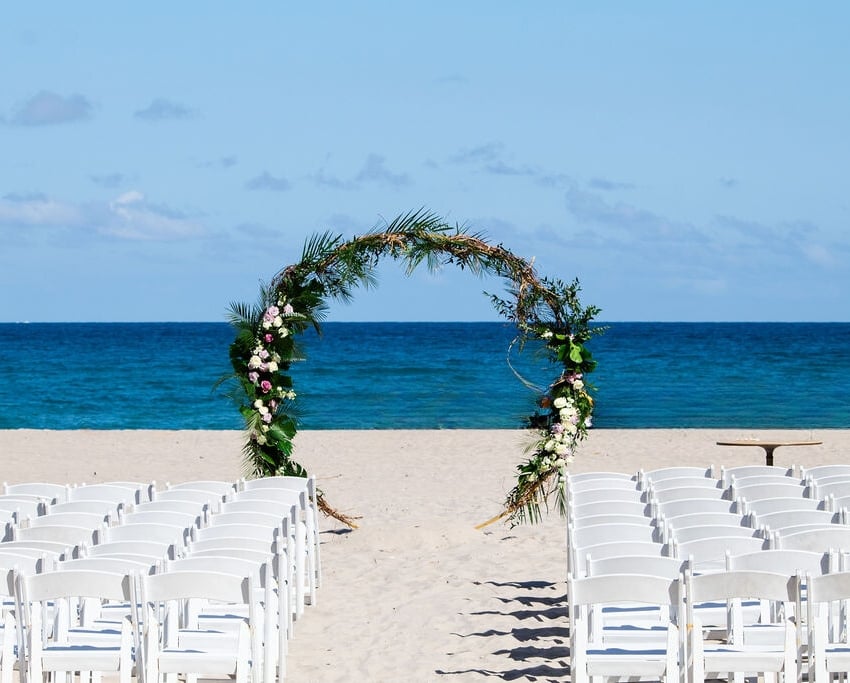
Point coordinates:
pixel 836 537
pixel 215 487
pixel 662 473
pixel 24 507
pixel 212 500
pixel 752 492
pixel 683 482
pixel 48 492
pixel 226 544
pixel 52 548
pixel 709 554
pixel 786 518
pixel 112 564
pixel 245 517
pixel 306 484
pixel 702 519
pixel 596 520
pixel 819 471
pixel 767 505
pixel 66 534
pixel 609 507
pixel 162 533
pixel 621 588
pixel 88 520
pixel 153 550
pixel 101 507
pixel 786 562
pixel 687 493
pixel 115 493
pixel 838 489
pixel 693 533
pixel 610 533
pixel 726 473
pixel 173 518
pixel 584 497
pixel 247 531
pixel 648 565
pixel 75 583
pixel 184 506
pixel 689 506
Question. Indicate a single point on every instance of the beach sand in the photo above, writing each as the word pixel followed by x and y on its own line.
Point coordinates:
pixel 416 593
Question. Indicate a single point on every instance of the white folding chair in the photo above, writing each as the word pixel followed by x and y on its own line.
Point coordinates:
pixel 55 649
pixel 708 659
pixel 206 622
pixel 707 555
pixel 828 649
pixel 310 507
pixel 631 659
pixel 214 487
pixel 203 498
pixel 163 597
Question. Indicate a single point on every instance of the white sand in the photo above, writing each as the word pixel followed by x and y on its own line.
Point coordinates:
pixel 415 594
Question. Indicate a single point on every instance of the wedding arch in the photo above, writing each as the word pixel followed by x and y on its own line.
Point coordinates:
pixel 543 309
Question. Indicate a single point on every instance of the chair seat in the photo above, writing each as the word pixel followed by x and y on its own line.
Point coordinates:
pixel 197 661
pixel 616 661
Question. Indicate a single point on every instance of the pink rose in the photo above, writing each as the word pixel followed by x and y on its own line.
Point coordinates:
pixel 268 337
pixel 266 386
pixel 267 418
pixel 253 377
pixel 273 311
pixel 288 310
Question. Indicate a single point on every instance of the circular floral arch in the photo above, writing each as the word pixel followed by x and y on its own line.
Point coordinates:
pixel 543 309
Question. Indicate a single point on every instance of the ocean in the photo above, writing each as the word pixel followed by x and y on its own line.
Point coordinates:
pixel 427 376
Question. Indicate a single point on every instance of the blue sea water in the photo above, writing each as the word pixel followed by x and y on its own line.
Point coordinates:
pixel 427 375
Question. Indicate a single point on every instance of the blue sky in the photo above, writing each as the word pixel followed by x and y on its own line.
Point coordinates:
pixel 686 161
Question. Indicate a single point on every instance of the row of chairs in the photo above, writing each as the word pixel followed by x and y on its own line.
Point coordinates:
pixel 262 532
pixel 683 509
pixel 749 537
pixel 763 637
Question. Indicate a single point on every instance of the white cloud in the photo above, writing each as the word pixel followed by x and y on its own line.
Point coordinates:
pixel 127 217
pixel 161 109
pixel 47 108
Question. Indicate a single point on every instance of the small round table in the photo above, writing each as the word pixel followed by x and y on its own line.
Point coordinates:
pixel 768 445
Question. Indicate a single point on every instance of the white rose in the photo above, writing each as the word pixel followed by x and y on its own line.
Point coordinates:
pixel 258 403
pixel 578 385
pixel 560 402
pixel 266 324
pixel 561 449
pixel 560 462
pixel 255 362
pixel 278 321
pixel 283 332
pixel 571 428
pixel 262 409
pixel 261 439
pixel 549 445
pixel 272 366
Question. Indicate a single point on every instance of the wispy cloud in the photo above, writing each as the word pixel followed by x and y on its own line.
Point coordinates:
pixel 127 217
pixel 48 108
pixel 266 181
pixel 161 109
pixel 608 185
pixel 375 170
pixel 487 153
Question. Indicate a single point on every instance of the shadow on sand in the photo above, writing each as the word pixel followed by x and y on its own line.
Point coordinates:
pixel 537 649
